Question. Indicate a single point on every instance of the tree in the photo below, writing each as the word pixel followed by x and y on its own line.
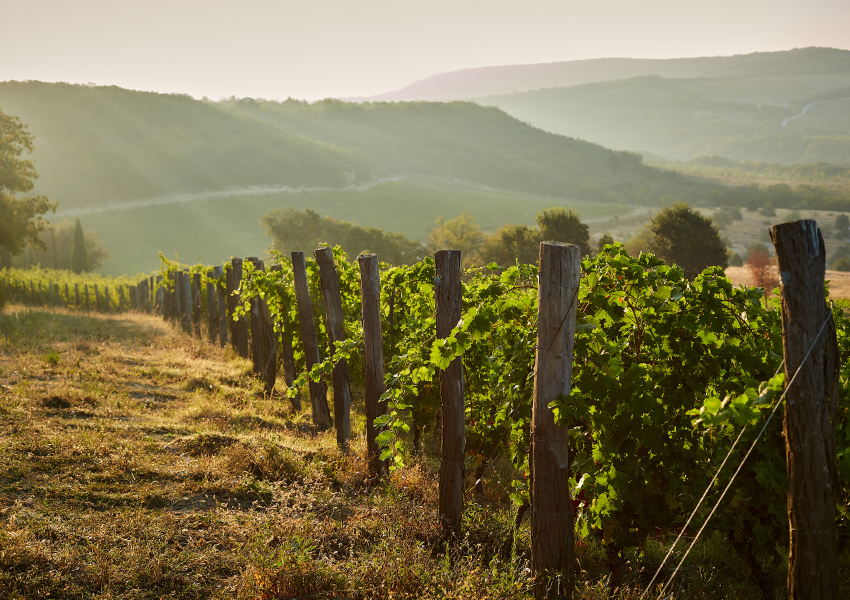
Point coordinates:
pixel 20 217
pixel 563 225
pixel 842 221
pixel 461 233
pixel 759 264
pixel 511 243
pixel 604 240
pixel 681 235
pixel 79 256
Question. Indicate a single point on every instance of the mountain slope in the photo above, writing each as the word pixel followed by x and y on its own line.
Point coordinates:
pixel 812 69
pixel 685 118
pixel 101 145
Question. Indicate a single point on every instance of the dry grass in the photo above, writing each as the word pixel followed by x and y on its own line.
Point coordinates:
pixel 136 462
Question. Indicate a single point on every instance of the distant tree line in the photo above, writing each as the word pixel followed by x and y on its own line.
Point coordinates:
pixel 64 246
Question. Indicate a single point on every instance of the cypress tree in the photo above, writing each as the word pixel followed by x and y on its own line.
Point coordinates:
pixel 79 255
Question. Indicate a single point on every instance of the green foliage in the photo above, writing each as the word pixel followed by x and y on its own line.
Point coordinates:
pixel 521 243
pixel 563 225
pixel 31 286
pixel 79 255
pixel 293 230
pixel 722 219
pixel 604 240
pixel 842 221
pixel 842 264
pixel 767 210
pixel 20 218
pixel 461 233
pixel 682 236
pixel 734 258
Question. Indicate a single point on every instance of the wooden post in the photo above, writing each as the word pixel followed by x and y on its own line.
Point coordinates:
pixel 106 301
pixel 97 299
pixel 240 331
pixel 810 410
pixel 77 295
pixel 373 342
pixel 222 308
pixel 256 325
pixel 120 298
pixel 448 299
pixel 174 307
pixel 318 390
pixel 87 296
pixel 264 343
pixel 287 356
pixel 186 299
pixel 160 296
pixel 212 307
pixel 552 518
pixel 134 297
pixel 67 295
pixel 329 279
pixel 231 305
pixel 50 292
pixel 196 303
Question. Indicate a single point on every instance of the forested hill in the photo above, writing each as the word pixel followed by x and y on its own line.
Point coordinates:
pixel 105 145
pixel 102 145
pixel 484 145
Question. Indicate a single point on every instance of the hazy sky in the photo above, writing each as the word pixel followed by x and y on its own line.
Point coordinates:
pixel 317 48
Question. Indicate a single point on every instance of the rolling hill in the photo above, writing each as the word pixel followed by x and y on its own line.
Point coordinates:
pixel 101 145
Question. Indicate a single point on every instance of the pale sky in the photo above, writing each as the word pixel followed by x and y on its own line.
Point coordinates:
pixel 312 49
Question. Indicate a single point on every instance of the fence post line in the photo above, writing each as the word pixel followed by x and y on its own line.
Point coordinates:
pixel 222 307
pixel 448 300
pixel 810 411
pixel 268 343
pixel 318 390
pixel 552 517
pixel 373 346
pixel 134 297
pixel 287 356
pixel 240 331
pixel 256 325
pixel 196 303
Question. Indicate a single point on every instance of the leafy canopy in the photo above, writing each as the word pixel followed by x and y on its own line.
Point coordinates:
pixel 20 218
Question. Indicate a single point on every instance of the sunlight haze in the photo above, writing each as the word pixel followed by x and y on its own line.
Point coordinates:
pixel 312 50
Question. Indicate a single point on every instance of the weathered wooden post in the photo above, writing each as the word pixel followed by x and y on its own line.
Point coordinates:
pixel 67 295
pixel 373 342
pixel 186 299
pixel 222 307
pixel 256 325
pixel 332 298
pixel 212 307
pixel 97 299
pixel 447 293
pixel 810 410
pixel 287 356
pixel 263 335
pixel 88 304
pixel 120 293
pixel 552 518
pixel 231 305
pixel 318 390
pixel 77 295
pixel 160 297
pixel 240 331
pixel 134 297
pixel 174 309
pixel 106 301
pixel 196 303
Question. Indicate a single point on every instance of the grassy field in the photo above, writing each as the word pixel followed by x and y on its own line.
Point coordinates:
pixel 212 231
pixel 136 462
